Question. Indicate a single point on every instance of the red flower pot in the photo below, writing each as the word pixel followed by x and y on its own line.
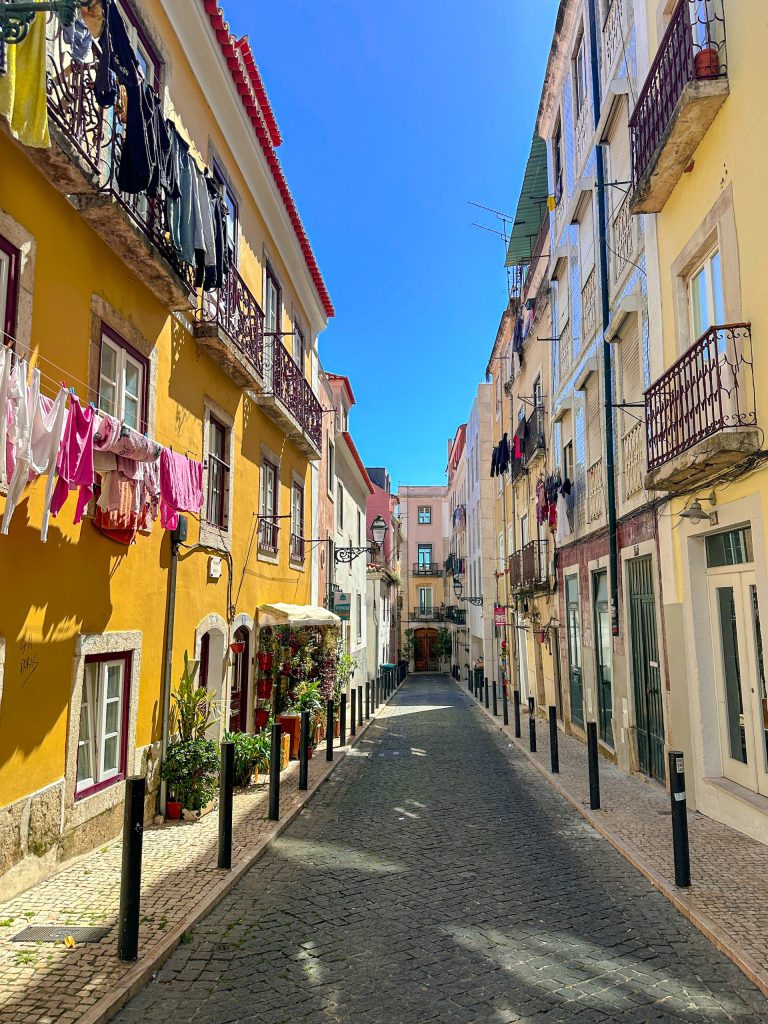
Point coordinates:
pixel 707 63
pixel 237 647
pixel 262 717
pixel 265 661
pixel 173 810
pixel 263 688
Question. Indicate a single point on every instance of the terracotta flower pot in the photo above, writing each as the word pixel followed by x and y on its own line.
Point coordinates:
pixel 291 727
pixel 173 810
pixel 265 661
pixel 237 647
pixel 261 717
pixel 706 63
pixel 264 688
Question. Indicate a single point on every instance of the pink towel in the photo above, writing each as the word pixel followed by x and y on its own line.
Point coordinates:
pixel 181 487
pixel 75 462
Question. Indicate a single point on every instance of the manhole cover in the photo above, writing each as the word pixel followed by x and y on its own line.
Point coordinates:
pixel 42 934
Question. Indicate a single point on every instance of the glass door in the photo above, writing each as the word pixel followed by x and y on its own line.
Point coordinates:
pixel 425 601
pixel 740 674
pixel 603 656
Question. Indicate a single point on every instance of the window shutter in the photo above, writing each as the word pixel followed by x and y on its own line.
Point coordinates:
pixel 593 419
pixel 631 372
pixel 618 150
pixel 586 240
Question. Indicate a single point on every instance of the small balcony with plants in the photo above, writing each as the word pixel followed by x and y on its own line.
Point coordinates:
pixel 685 88
pixel 700 415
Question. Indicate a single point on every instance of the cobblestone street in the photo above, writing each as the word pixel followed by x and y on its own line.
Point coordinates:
pixel 436 876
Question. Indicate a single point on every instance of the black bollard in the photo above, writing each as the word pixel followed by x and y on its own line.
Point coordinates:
pixel 367 699
pixel 130 875
pixel 679 819
pixel 485 683
pixel 495 699
pixel 329 730
pixel 304 751
pixel 274 772
pixel 226 792
pixel 376 694
pixel 343 721
pixel 594 768
pixel 504 702
pixel 352 711
pixel 516 696
pixel 360 704
pixel 554 753
pixel 469 679
pixel 531 725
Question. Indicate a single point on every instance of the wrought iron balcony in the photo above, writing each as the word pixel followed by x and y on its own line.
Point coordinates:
pixel 428 615
pixel 528 568
pixel 289 399
pixel 454 566
pixel 458 616
pixel 298 547
pixel 700 415
pixel 268 536
pixel 427 569
pixel 82 163
pixel 595 492
pixel 686 86
pixel 230 326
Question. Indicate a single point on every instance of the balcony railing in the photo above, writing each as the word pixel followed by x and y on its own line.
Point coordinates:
pixel 456 615
pixel 284 381
pixel 268 535
pixel 298 546
pixel 583 132
pixel 710 388
pixel 564 354
pixel 428 614
pixel 234 310
pixel 692 49
pixel 614 31
pixel 427 569
pixel 633 455
pixel 595 492
pixel 528 568
pixel 589 307
pixel 623 240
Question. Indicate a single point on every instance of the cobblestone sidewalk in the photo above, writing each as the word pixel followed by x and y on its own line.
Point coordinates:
pixel 728 898
pixel 46 983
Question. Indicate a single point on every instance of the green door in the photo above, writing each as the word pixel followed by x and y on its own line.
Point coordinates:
pixel 575 681
pixel 646 675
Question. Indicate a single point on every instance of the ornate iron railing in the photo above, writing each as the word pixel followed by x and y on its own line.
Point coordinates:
pixel 234 309
pixel 456 615
pixel 564 353
pixel 614 30
pixel 595 492
pixel 515 570
pixel 428 614
pixel 710 388
pixel 693 47
pixel 313 416
pixel 583 132
pixel 528 567
pixel 284 379
pixel 623 240
pixel 427 569
pixel 589 307
pixel 633 455
pixel 297 548
pixel 268 535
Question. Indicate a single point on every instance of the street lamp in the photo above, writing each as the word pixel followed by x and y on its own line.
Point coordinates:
pixel 458 589
pixel 378 533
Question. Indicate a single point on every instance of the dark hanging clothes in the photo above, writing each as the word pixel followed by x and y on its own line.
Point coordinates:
pixel 494 459
pixel 502 459
pixel 159 179
pixel 118 62
pixel 211 275
pixel 517 338
pixel 138 159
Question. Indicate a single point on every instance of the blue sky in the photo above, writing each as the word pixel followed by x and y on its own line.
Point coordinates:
pixel 393 116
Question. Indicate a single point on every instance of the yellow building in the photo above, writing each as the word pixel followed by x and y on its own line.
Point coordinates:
pixel 699 138
pixel 94 293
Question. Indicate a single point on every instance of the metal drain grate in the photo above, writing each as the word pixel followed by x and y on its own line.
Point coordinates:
pixel 37 933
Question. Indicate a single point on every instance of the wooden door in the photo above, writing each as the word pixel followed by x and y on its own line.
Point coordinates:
pixel 238 699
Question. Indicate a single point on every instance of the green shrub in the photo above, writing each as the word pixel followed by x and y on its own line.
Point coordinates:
pixel 191 768
pixel 251 753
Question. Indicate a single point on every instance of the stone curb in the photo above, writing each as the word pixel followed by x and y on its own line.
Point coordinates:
pixel 719 938
pixel 146 967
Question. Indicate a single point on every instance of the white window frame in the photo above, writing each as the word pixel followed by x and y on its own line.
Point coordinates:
pixel 426 605
pixel 705 266
pixel 428 510
pixel 123 359
pixel 95 705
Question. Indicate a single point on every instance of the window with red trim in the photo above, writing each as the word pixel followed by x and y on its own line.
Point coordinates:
pixel 102 742
pixel 9 290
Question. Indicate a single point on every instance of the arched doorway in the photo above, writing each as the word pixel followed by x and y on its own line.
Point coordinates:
pixel 425 658
pixel 238 699
pixel 212 655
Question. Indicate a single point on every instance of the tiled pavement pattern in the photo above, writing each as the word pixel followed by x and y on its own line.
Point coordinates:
pixel 729 871
pixel 436 878
pixel 42 983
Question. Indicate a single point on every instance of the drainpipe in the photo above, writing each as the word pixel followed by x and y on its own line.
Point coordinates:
pixel 610 466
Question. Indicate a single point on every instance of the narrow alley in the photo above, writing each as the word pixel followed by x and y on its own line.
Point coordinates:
pixel 436 876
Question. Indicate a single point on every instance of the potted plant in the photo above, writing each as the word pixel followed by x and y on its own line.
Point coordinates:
pixel 443 644
pixel 191 762
pixel 308 698
pixel 409 645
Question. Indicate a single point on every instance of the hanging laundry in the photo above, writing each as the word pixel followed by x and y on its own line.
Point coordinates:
pixel 563 529
pixel 517 338
pixel 211 277
pixel 118 62
pixel 23 90
pixel 138 167
pixel 494 459
pixel 205 241
pixel 502 459
pixel 542 506
pixel 79 38
pixel 181 487
pixel 184 215
pixel 518 448
pixel 75 462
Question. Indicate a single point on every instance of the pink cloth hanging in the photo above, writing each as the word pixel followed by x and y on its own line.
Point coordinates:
pixel 181 487
pixel 75 464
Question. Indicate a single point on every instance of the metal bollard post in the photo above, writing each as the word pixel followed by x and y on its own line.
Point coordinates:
pixel 469 679
pixel 495 699
pixel 485 683
pixel 130 875
pixel 226 793
pixel 360 704
pixel 531 725
pixel 304 751
pixel 554 753
pixel 367 699
pixel 679 819
pixel 594 767
pixel 343 721
pixel 274 772
pixel 376 694
pixel 329 730
pixel 504 702
pixel 516 696
pixel 352 711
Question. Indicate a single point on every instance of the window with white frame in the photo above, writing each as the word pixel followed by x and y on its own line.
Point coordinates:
pixel 425 515
pixel 705 294
pixel 268 524
pixel 101 748
pixel 122 380
pixel 580 73
pixel 297 523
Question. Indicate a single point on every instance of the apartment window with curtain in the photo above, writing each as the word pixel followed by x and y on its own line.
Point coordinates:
pixel 297 523
pixel 101 744
pixel 269 525
pixel 9 290
pixel 218 474
pixel 123 377
pixel 557 159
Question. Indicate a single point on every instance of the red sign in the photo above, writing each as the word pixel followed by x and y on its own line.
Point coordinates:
pixel 499 616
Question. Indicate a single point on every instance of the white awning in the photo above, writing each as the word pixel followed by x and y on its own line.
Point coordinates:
pixel 295 615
